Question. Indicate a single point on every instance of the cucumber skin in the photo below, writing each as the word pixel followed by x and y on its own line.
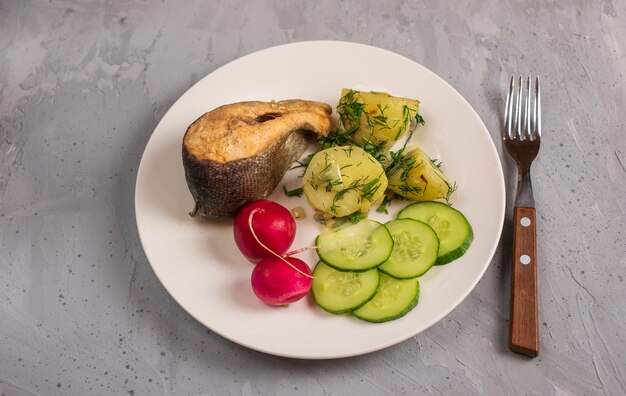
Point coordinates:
pixel 401 314
pixel 347 310
pixel 405 311
pixel 458 252
pixel 406 277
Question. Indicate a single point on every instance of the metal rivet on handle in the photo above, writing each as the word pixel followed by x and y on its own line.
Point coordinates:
pixel 524 221
pixel 524 259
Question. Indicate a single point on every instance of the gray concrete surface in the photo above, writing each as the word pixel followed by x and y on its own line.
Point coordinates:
pixel 82 86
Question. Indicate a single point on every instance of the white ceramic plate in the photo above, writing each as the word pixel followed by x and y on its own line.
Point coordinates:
pixel 198 262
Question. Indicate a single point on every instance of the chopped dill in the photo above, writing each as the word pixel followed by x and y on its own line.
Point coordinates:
pixel 304 163
pixel 380 120
pixel 338 138
pixel 357 216
pixel 407 189
pixel 374 149
pixel 436 163
pixel 382 208
pixel 350 111
pixel 331 183
pixel 348 150
pixel 451 188
pixel 296 192
pixel 419 119
pixel 367 189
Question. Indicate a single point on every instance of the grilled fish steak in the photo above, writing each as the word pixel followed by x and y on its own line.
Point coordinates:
pixel 239 152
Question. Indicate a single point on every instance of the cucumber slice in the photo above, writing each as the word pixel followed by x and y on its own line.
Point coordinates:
pixel 415 248
pixel 453 230
pixel 355 247
pixel 393 299
pixel 341 291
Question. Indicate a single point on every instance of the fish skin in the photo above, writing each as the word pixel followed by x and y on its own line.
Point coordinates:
pixel 221 187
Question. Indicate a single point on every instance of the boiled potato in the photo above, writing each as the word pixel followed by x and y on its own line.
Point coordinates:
pixel 377 118
pixel 416 177
pixel 343 180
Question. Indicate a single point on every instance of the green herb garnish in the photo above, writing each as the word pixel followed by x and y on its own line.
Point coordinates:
pixel 451 188
pixel 382 208
pixel 296 192
pixel 357 216
pixel 419 119
pixel 366 188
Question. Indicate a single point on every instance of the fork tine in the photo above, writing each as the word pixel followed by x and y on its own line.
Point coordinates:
pixel 508 111
pixel 537 110
pixel 527 114
pixel 518 114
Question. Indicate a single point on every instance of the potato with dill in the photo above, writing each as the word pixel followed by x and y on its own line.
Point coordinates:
pixel 376 119
pixel 343 181
pixel 415 176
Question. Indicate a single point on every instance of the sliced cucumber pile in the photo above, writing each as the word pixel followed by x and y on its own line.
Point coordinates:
pixel 371 270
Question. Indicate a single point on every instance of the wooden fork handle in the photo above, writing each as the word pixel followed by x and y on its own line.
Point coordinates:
pixel 524 320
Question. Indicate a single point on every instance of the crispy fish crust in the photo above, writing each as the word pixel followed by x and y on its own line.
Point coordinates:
pixel 239 152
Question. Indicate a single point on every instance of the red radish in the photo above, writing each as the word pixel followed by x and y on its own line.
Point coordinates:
pixel 276 282
pixel 273 225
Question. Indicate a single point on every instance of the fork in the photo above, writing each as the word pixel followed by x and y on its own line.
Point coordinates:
pixel 521 137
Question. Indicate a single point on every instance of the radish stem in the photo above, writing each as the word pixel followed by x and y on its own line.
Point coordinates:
pixel 252 213
pixel 304 249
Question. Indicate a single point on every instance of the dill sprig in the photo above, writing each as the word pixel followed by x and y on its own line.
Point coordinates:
pixel 367 190
pixel 304 163
pixel 350 111
pixel 296 192
pixel 382 208
pixel 380 119
pixel 451 188
pixel 337 138
pixel 331 183
pixel 357 216
pixel 419 119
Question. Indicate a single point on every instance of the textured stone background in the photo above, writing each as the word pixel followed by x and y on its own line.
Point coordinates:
pixel 83 85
